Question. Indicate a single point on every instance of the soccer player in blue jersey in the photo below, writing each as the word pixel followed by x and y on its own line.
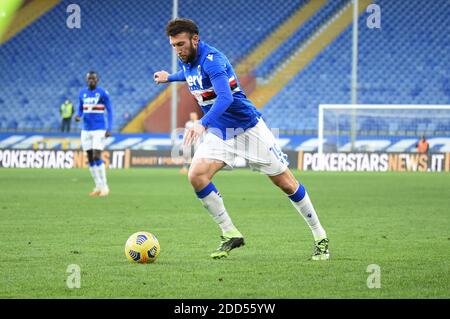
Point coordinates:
pixel 93 102
pixel 231 126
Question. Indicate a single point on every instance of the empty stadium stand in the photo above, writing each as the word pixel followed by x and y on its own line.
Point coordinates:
pixel 47 61
pixel 404 62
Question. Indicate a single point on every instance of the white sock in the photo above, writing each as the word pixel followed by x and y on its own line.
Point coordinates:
pixel 214 204
pixel 93 170
pixel 306 209
pixel 102 174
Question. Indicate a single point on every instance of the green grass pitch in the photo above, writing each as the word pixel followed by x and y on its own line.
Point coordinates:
pixel 399 221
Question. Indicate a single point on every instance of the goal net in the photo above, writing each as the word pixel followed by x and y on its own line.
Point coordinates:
pixel 369 128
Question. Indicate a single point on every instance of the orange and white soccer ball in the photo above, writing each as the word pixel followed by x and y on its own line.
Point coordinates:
pixel 142 247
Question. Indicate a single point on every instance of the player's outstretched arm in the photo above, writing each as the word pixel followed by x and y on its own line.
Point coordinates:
pixel 164 77
pixel 161 77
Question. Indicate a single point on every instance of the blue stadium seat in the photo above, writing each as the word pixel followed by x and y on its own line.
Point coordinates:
pixel 406 62
pixel 269 64
pixel 125 43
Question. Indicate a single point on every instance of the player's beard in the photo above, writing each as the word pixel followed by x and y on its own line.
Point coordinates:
pixel 192 53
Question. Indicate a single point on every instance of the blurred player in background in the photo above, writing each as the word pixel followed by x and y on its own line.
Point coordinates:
pixel 93 102
pixel 235 128
pixel 188 150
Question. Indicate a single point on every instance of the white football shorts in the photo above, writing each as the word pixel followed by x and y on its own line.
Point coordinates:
pixel 257 145
pixel 93 140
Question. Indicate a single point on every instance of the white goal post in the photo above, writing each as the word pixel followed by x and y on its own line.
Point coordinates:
pixel 352 119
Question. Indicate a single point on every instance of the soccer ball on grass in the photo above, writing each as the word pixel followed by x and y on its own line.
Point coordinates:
pixel 142 247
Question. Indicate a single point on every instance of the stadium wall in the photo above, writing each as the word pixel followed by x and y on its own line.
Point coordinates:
pixel 332 162
pixel 55 150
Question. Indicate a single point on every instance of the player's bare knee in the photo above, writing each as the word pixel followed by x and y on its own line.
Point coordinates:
pixel 198 176
pixel 194 176
pixel 286 182
pixel 287 187
pixel 198 181
pixel 191 176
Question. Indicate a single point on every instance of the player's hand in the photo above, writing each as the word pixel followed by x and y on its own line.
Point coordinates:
pixel 161 77
pixel 77 119
pixel 107 134
pixel 194 133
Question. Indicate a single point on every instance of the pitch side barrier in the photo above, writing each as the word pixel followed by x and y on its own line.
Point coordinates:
pixel 114 159
pixel 374 162
pixel 305 161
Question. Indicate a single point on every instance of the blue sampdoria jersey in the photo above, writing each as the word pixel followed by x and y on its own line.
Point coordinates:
pixel 212 81
pixel 92 106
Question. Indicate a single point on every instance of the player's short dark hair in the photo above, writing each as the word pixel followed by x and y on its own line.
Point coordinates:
pixel 180 25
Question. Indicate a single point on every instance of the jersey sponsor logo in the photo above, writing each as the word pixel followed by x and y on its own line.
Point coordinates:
pixel 194 81
pixel 91 105
pixel 91 100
